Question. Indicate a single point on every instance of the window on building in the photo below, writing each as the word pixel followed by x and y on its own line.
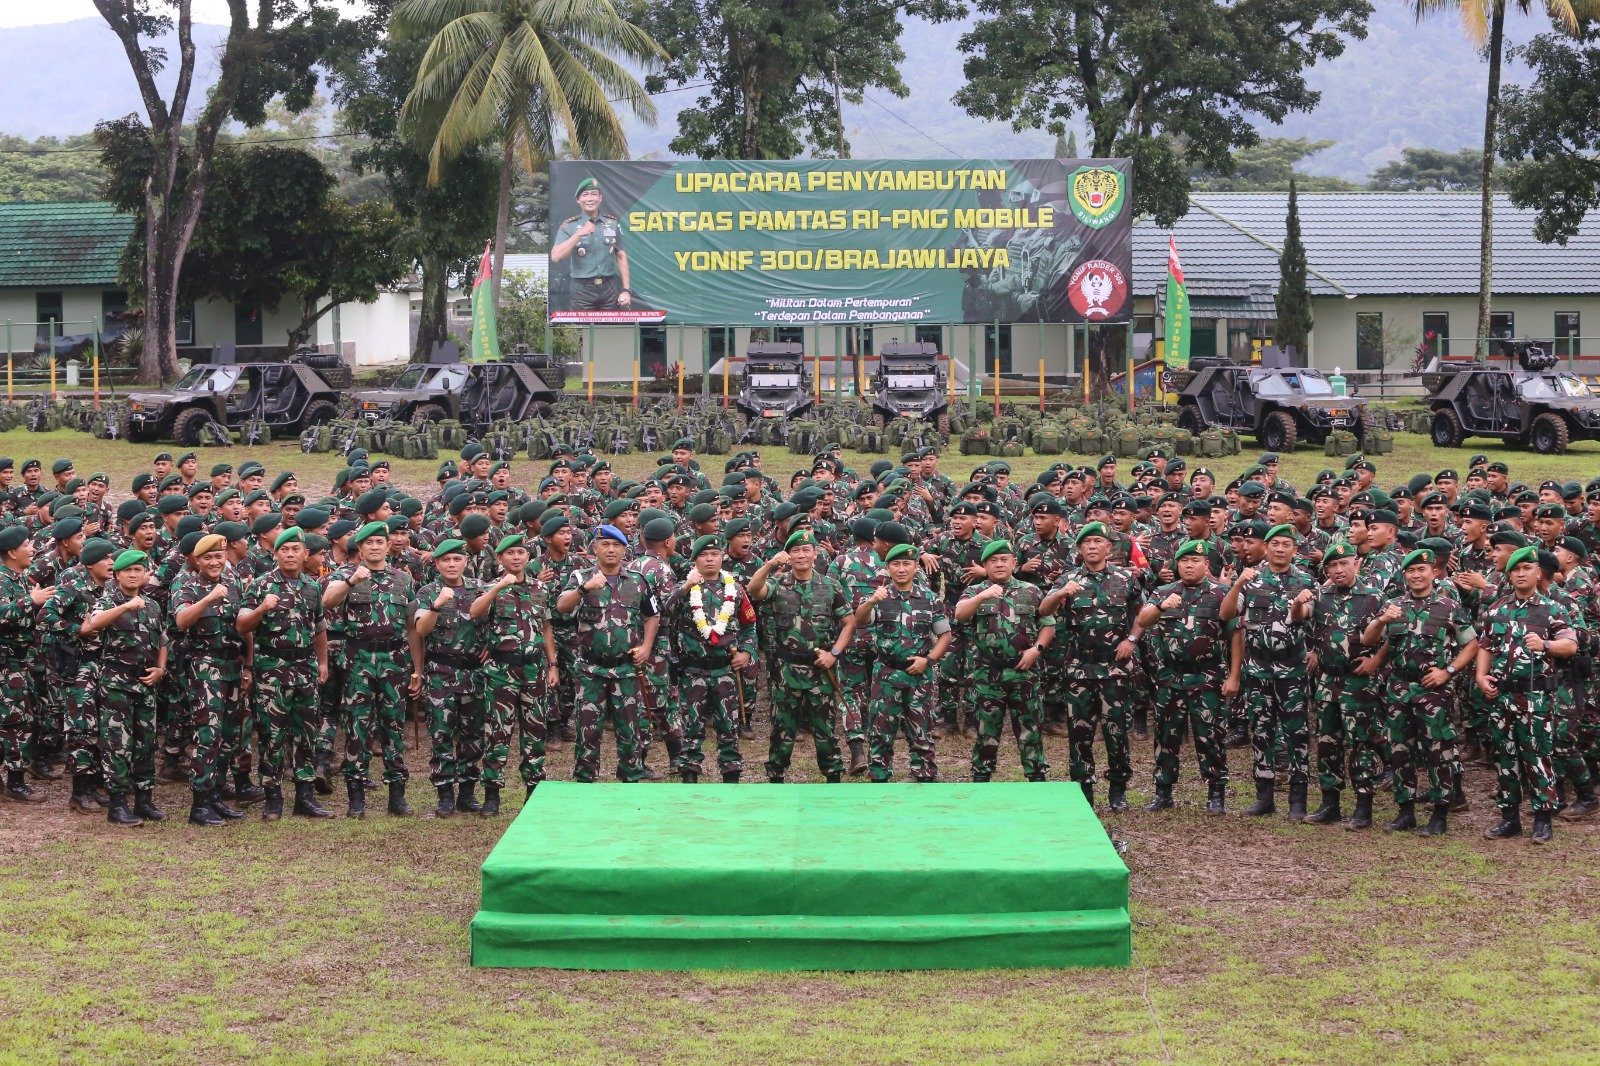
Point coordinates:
pixel 184 328
pixel 1203 338
pixel 47 312
pixel 112 302
pixel 1436 332
pixel 653 349
pixel 997 341
pixel 789 334
pixel 1567 333
pixel 1369 340
pixel 246 325
pixel 930 335
pixel 1503 324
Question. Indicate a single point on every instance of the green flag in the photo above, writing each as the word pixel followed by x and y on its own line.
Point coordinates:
pixel 485 337
pixel 1176 327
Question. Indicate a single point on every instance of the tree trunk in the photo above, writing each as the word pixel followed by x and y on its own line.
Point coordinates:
pixel 431 326
pixel 502 217
pixel 1491 116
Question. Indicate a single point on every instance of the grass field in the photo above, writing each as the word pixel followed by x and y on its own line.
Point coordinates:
pixel 1253 941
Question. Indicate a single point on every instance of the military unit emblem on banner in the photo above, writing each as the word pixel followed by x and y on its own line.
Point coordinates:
pixel 1097 194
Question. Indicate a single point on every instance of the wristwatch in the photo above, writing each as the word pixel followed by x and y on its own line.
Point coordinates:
pixel 1451 670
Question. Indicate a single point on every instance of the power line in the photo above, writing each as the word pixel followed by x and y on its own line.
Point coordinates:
pixel 874 100
pixel 37 152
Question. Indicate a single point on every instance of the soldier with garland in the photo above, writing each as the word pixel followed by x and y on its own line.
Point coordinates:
pixel 711 624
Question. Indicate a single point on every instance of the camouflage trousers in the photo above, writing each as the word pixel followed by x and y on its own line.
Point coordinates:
pixel 1347 731
pixel 515 695
pixel 614 700
pixel 16 717
pixel 173 712
pixel 657 714
pixel 1271 704
pixel 330 700
pixel 1419 724
pixel 127 731
pixel 1103 705
pixel 283 699
pixel 1474 708
pixel 453 702
pixel 713 697
pixel 216 720
pixel 901 703
pixel 83 723
pixel 1522 732
pixel 50 712
pixel 374 711
pixel 855 677
pixel 955 675
pixel 1201 711
pixel 563 701
pixel 995 703
pixel 794 708
pixel 1569 748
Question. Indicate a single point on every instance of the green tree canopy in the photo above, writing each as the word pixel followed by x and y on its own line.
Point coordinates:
pixel 50 169
pixel 1269 166
pixel 1552 133
pixel 1430 169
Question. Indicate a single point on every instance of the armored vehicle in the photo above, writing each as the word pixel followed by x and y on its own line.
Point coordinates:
pixel 286 397
pixel 476 394
pixel 777 382
pixel 1281 405
pixel 550 369
pixel 1527 402
pixel 911 383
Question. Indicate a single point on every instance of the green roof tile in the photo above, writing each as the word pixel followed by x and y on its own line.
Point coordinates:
pixel 43 245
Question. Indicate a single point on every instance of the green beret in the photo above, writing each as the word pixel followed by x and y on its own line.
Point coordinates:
pixel 1420 555
pixel 585 185
pixel 734 527
pixel 617 508
pixel 1252 489
pixel 100 476
pixel 899 551
pixel 1575 546
pixel 551 523
pixel 95 549
pixel 172 504
pixel 1339 549
pixel 131 557
pixel 68 510
pixel 311 518
pixel 1093 529
pixel 171 480
pixel 227 494
pixel 337 531
pixel 7 463
pixel 189 541
pixel 471 451
pixel 264 524
pixel 66 528
pixel 996 547
pixel 369 502
pixel 1105 461
pixel 798 537
pixel 289 536
pixel 709 542
pixel 514 540
pixel 255 495
pixel 1191 547
pixel 250 467
pixel 12 538
pixel 371 529
pixel 231 531
pixel 128 508
pixel 141 480
pixel 283 478
pixel 201 487
pixel 659 529
pixel 60 466
pixel 474 525
pixel 1529 554
pixel 453 546
pixel 74 485
pixel 702 512
pixel 1282 529
pixel 218 469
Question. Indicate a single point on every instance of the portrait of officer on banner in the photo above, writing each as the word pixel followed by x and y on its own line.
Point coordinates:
pixel 590 244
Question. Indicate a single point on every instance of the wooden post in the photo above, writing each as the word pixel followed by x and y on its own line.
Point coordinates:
pixel 727 371
pixel 1041 384
pixel 1128 358
pixel 996 371
pixel 10 395
pixel 680 380
pixel 816 375
pixel 95 365
pixel 636 384
pixel 591 377
pixel 50 339
pixel 1083 364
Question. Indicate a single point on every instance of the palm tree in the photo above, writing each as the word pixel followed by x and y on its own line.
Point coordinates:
pixel 517 72
pixel 1485 22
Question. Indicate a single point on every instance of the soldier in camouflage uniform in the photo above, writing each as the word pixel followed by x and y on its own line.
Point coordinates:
pixel 72 657
pixel 859 571
pixel 447 652
pixel 1270 655
pixel 616 616
pixel 370 599
pixel 1430 639
pixel 1010 630
pixel 910 634
pixel 520 671
pixel 1094 605
pixel 558 561
pixel 1044 553
pixel 205 606
pixel 133 659
pixel 282 613
pixel 1523 633
pixel 1190 645
pixel 1348 693
pixel 18 608
pixel 951 563
pixel 711 624
pixel 812 624
pixel 658 710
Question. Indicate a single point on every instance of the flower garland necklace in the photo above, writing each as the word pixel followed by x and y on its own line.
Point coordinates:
pixel 709 632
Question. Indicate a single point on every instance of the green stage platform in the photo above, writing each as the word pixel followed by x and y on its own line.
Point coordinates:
pixel 803 877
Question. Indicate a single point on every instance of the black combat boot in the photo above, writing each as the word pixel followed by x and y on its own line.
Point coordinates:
pixel 1510 825
pixel 83 799
pixel 1362 818
pixel 323 782
pixel 1329 812
pixel 491 801
pixel 1238 738
pixel 221 808
pixel 200 812
pixel 1264 804
pixel 144 805
pixel 1584 807
pixel 1297 802
pixel 1117 799
pixel 44 770
pixel 730 777
pixel 1406 819
pixel 858 758
pixel 305 802
pixel 117 812
pixel 447 802
pixel 1458 798
pixel 272 803
pixel 19 791
pixel 1542 833
pixel 674 751
pixel 1439 824
pixel 397 800
pixel 356 799
pixel 467 798
pixel 1055 723
pixel 1216 798
pixel 690 777
pixel 646 772
pixel 1088 793
pixel 832 779
pixel 245 792
pixel 1163 800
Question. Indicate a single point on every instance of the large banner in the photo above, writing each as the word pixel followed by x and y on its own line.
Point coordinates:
pixel 839 242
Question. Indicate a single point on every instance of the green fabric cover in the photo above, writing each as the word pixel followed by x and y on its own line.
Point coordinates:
pixel 804 877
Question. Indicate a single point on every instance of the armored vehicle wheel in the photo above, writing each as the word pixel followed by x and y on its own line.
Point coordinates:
pixel 1189 419
pixel 944 423
pixel 427 412
pixel 1278 432
pixel 1446 430
pixel 187 427
pixel 320 412
pixel 1549 435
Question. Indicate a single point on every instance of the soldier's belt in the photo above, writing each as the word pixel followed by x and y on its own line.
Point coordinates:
pixel 896 664
pixel 1279 658
pixel 804 657
pixel 391 644
pixel 288 653
pixel 453 660
pixel 1520 687
pixel 129 669
pixel 516 657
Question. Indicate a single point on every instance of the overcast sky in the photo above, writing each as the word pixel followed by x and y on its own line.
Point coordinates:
pixel 34 12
